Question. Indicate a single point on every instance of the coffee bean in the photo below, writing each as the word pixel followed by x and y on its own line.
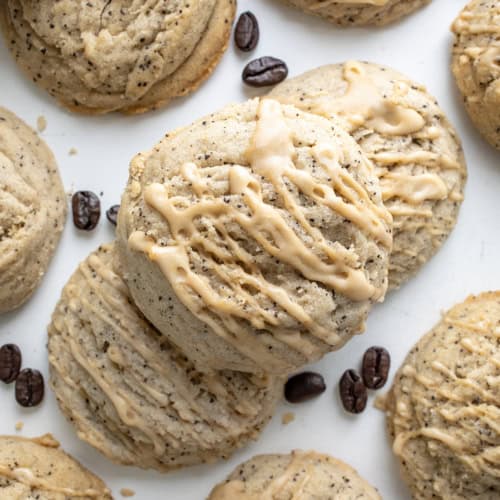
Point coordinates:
pixel 112 214
pixel 10 363
pixel 265 71
pixel 246 33
pixel 304 386
pixel 353 392
pixel 375 370
pixel 86 210
pixel 29 388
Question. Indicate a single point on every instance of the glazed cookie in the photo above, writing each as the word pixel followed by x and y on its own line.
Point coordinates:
pixel 256 238
pixel 359 12
pixel 32 210
pixel 133 395
pixel 443 411
pixel 417 153
pixel 38 469
pixel 301 475
pixel 129 56
pixel 476 64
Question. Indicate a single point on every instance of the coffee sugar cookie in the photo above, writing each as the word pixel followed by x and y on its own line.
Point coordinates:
pixel 301 475
pixel 256 238
pixel 129 56
pixel 133 395
pixel 416 151
pixel 443 411
pixel 37 468
pixel 32 210
pixel 476 65
pixel 359 12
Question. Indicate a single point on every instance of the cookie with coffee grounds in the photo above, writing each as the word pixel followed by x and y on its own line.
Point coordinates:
pixel 416 151
pixel 32 210
pixel 98 57
pixel 39 468
pixel 256 238
pixel 359 13
pixel 444 406
pixel 305 475
pixel 132 394
pixel 476 65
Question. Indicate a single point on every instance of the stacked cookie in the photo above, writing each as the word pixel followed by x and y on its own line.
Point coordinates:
pixel 416 152
pixel 98 57
pixel 32 210
pixel 248 244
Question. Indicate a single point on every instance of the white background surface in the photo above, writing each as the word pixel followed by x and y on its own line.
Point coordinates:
pixel 469 261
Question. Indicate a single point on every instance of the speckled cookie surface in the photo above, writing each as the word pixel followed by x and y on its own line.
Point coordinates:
pixel 299 475
pixel 32 469
pixel 358 13
pixel 255 238
pixel 416 151
pixel 476 64
pixel 444 407
pixel 126 55
pixel 32 210
pixel 134 396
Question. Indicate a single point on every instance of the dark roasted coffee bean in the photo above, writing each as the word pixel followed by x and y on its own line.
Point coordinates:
pixel 376 365
pixel 246 33
pixel 86 210
pixel 265 71
pixel 10 363
pixel 29 388
pixel 353 392
pixel 112 214
pixel 304 386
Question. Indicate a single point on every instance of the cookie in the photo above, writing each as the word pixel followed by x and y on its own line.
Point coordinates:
pixel 133 395
pixel 255 238
pixel 98 57
pixel 32 210
pixel 444 407
pixel 302 475
pixel 476 65
pixel 416 151
pixel 38 469
pixel 359 12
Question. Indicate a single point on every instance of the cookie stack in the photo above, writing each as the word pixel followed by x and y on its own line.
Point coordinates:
pixel 98 57
pixel 248 244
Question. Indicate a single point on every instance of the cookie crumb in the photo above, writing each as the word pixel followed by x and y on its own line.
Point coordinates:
pixel 127 492
pixel 41 123
pixel 287 418
pixel 73 151
pixel 19 426
pixel 380 402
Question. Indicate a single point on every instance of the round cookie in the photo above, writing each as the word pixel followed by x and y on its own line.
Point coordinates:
pixel 32 210
pixel 359 12
pixel 255 238
pixel 443 411
pixel 38 469
pixel 305 475
pixel 476 65
pixel 133 395
pixel 98 57
pixel 416 151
